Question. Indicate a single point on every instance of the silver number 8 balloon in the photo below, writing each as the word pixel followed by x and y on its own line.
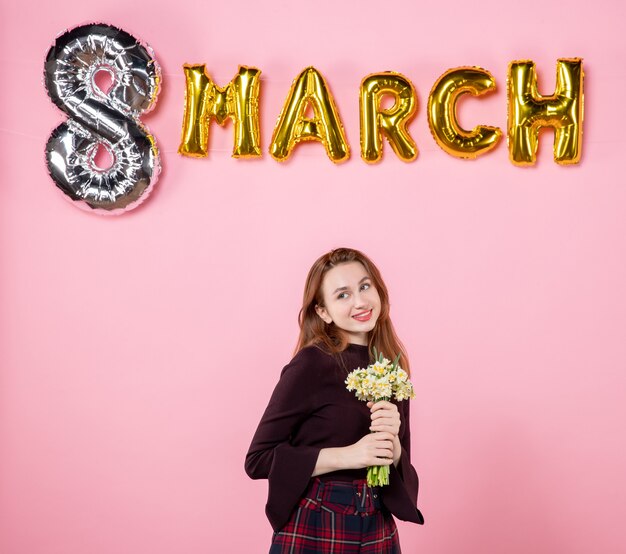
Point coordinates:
pixel 102 119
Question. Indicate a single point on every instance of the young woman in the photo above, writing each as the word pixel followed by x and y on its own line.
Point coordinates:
pixel 316 440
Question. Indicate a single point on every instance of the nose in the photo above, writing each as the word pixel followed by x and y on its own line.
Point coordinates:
pixel 359 300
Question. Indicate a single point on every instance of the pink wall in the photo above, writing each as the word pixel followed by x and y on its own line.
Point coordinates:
pixel 138 352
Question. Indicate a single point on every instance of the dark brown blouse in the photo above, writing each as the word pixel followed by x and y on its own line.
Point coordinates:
pixel 311 409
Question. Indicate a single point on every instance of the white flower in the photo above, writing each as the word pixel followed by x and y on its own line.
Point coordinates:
pixel 402 375
pixel 380 380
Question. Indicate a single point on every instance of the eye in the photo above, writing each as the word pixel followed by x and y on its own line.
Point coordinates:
pixel 365 286
pixel 342 295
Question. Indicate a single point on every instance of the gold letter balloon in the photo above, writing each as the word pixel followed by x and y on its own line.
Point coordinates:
pixel 239 101
pixel 442 119
pixel 309 89
pixel 529 111
pixel 392 121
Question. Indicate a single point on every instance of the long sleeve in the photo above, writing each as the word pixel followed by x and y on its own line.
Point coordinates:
pixel 400 496
pixel 311 409
pixel 275 453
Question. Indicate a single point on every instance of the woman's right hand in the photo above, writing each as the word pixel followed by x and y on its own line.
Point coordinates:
pixel 375 449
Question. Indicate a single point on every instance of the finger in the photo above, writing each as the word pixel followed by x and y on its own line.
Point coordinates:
pixel 380 405
pixel 385 449
pixel 379 461
pixel 385 421
pixel 385 413
pixel 384 454
pixel 381 423
pixel 393 429
pixel 384 410
pixel 382 436
pixel 384 405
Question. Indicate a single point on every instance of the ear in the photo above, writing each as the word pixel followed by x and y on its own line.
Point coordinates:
pixel 323 314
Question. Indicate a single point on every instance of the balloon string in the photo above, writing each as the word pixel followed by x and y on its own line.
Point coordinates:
pixel 20 134
pixel 225 80
pixel 220 150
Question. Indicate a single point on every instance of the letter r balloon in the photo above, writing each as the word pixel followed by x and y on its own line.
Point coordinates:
pixel 392 122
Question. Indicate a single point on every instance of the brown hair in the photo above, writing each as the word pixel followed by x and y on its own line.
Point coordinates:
pixel 314 330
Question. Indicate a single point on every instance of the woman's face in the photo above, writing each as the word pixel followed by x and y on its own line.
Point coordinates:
pixel 350 301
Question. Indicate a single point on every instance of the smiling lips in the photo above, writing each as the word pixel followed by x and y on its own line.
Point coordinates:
pixel 363 316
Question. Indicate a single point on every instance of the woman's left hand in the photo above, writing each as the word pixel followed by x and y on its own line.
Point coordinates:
pixel 384 416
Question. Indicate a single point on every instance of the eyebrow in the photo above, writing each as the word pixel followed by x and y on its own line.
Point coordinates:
pixel 346 288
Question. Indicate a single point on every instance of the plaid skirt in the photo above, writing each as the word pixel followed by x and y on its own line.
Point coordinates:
pixel 338 517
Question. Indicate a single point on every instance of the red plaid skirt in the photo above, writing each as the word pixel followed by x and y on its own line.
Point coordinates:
pixel 338 517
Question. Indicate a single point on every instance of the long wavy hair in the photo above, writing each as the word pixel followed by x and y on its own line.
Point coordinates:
pixel 315 331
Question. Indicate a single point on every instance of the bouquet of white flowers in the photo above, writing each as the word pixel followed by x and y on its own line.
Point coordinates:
pixel 382 380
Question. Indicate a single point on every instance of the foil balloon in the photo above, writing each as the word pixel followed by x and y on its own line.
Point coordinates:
pixel 442 119
pixel 204 100
pixel 99 119
pixel 528 112
pixel 309 90
pixel 376 120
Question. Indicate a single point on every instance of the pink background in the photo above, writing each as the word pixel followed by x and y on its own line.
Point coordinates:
pixel 138 352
